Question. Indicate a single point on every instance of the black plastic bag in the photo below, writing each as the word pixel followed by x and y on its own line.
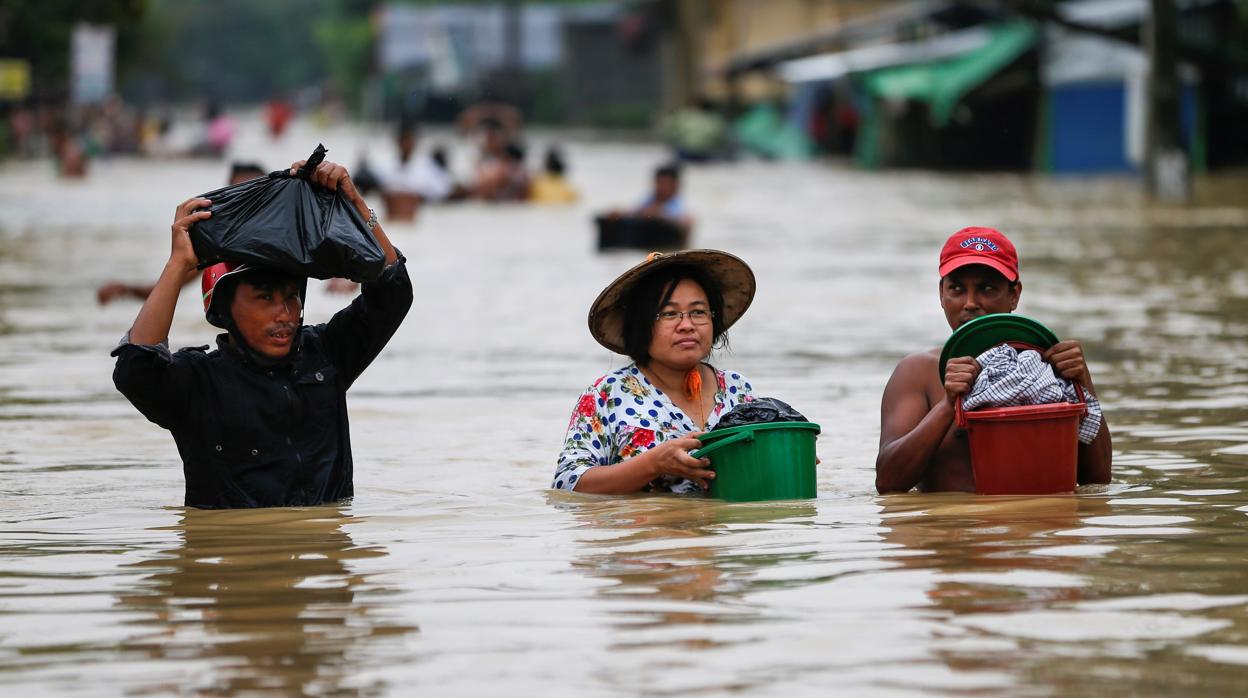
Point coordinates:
pixel 287 222
pixel 760 411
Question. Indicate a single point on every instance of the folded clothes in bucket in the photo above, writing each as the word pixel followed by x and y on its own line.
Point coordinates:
pixel 1010 378
pixel 759 411
pixel 287 222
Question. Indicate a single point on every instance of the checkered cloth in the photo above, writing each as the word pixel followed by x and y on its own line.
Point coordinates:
pixel 1010 378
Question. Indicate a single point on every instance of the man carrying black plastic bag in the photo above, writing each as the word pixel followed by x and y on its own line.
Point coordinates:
pixel 285 221
pixel 262 420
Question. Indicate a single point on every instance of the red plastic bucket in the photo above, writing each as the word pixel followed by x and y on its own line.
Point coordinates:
pixel 1029 449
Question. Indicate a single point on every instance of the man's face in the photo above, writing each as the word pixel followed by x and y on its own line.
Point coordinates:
pixel 267 318
pixel 665 187
pixel 407 146
pixel 493 140
pixel 974 290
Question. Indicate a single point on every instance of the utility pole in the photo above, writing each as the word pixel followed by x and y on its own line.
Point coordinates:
pixel 507 82
pixel 513 35
pixel 1166 173
pixel 683 57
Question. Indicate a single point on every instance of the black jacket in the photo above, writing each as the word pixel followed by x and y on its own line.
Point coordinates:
pixel 259 436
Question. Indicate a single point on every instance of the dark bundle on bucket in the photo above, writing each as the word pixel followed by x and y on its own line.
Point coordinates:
pixel 760 411
pixel 288 222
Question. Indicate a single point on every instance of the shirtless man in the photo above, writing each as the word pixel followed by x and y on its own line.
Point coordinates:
pixel 919 442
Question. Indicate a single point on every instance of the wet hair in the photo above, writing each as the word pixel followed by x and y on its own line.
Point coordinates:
pixel 669 170
pixel 648 296
pixel 408 128
pixel 554 161
pixel 439 156
pixel 251 169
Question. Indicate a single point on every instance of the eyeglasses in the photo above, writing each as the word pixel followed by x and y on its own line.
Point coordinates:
pixel 672 317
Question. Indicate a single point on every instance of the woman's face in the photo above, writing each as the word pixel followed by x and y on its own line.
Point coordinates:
pixel 683 340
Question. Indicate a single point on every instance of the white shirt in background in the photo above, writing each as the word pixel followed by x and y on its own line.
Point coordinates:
pixel 420 176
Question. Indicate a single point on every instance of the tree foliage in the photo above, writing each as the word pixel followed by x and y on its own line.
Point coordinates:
pixel 230 50
pixel 40 31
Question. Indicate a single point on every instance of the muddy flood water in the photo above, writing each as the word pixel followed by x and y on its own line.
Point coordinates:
pixel 455 571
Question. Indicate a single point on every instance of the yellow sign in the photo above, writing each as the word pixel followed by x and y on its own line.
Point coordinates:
pixel 14 79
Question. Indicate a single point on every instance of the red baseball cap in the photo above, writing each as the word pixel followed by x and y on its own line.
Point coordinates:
pixel 985 246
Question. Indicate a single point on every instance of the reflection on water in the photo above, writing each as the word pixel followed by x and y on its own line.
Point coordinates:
pixel 454 572
pixel 672 549
pixel 263 597
pixel 1054 570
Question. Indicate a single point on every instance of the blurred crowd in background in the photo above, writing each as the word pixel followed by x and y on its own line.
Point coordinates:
pixel 1082 86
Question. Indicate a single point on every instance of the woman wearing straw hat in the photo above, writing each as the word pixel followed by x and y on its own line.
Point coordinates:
pixel 633 429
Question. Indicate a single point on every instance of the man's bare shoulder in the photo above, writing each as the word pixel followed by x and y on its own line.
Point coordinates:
pixel 920 365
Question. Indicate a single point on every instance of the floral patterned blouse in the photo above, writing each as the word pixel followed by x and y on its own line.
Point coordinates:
pixel 622 414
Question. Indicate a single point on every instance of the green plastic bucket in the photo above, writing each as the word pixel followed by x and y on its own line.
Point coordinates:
pixel 756 462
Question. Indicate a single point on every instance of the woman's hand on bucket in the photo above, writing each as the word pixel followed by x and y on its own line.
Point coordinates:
pixel 673 458
pixel 960 375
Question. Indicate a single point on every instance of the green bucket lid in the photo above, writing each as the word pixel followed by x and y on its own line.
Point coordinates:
pixel 983 333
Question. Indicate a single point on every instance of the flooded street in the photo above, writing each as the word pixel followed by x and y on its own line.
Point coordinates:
pixel 455 571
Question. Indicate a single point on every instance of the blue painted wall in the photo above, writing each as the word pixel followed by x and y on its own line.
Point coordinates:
pixel 1088 125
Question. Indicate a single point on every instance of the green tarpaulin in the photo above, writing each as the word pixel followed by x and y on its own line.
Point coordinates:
pixel 945 82
pixel 762 131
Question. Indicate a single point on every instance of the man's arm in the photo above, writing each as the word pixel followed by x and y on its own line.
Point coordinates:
pixel 356 334
pixel 1096 458
pixel 113 290
pixel 156 316
pixel 683 221
pixel 154 380
pixel 910 430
